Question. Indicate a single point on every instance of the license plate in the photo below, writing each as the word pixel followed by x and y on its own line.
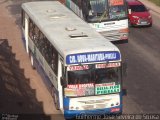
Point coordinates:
pixel 144 22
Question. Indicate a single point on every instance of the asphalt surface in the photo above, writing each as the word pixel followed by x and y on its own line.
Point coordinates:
pixel 142 54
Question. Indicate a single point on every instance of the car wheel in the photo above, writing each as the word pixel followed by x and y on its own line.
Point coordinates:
pixel 150 25
pixel 55 98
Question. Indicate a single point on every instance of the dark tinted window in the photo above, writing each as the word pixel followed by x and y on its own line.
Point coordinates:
pixel 138 8
pixel 47 50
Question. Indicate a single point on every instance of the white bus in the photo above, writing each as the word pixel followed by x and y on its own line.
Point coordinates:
pixel 82 69
pixel 109 17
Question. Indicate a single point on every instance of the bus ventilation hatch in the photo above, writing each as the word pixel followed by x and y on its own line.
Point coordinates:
pixel 78 35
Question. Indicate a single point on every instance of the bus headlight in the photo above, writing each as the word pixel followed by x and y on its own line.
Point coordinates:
pixel 74 108
pixel 112 104
pixel 71 108
pixel 117 103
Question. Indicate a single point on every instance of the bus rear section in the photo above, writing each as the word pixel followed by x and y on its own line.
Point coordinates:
pixel 108 17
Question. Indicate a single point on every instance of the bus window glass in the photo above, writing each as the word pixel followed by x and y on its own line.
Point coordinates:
pixel 97 10
pixel 94 78
pixel 78 77
pixel 117 9
pixel 98 6
pixel 107 75
pixel 102 10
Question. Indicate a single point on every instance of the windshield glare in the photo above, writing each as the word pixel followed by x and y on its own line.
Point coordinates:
pixel 78 77
pixel 98 6
pixel 117 12
pixel 107 75
pixel 101 10
pixel 91 81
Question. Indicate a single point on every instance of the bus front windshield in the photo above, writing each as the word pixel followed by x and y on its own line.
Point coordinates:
pixel 93 81
pixel 104 10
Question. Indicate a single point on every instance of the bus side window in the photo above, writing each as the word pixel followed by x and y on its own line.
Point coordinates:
pixel 53 58
pixel 33 32
pixel 40 40
pixel 31 28
pixel 36 35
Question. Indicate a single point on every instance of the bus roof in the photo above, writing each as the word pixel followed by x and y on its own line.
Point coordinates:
pixel 71 34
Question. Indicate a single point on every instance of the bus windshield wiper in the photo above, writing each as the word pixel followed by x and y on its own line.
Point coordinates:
pixel 103 15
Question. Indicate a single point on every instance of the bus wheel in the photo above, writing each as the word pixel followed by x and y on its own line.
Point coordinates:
pixel 55 100
pixel 129 24
pixel 32 60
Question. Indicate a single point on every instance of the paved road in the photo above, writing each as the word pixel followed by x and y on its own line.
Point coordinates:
pixel 23 91
pixel 142 55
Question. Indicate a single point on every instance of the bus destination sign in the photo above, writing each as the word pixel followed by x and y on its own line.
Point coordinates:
pixel 92 57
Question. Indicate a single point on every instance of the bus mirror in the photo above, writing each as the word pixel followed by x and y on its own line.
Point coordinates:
pixel 63 82
pixel 129 11
pixel 124 69
pixel 124 92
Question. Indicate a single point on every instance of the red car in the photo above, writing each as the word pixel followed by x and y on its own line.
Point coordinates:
pixel 138 14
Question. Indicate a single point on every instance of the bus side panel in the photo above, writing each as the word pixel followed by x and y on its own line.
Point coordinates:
pixel 111 25
pixel 75 8
pixel 42 62
pixel 23 38
pixel 47 75
pixel 48 71
pixel 49 84
pixel 60 89
pixel 113 30
pixel 26 32
pixel 31 46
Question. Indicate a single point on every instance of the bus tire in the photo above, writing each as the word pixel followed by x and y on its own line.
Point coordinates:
pixel 130 24
pixel 32 60
pixel 55 99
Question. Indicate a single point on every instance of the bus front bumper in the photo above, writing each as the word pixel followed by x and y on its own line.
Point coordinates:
pixel 89 114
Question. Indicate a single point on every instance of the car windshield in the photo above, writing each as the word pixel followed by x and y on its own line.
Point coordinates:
pixel 138 8
pixel 85 82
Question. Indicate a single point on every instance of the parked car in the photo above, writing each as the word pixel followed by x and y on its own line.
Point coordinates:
pixel 138 14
